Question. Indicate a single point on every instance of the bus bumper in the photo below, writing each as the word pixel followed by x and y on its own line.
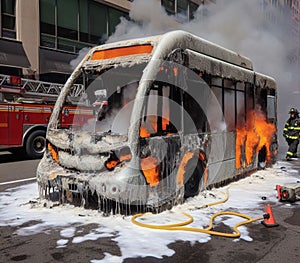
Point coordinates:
pixel 122 187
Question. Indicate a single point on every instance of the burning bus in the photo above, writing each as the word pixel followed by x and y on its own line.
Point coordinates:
pixel 172 115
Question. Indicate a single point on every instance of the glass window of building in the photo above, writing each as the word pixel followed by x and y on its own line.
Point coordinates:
pixel 114 19
pixel 8 18
pixel 169 5
pixel 47 23
pixel 192 9
pixel 71 25
pixel 83 21
pixel 183 9
pixel 98 23
pixel 67 19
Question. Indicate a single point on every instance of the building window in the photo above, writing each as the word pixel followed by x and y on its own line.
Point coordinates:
pixel 192 9
pixel 98 23
pixel 169 5
pixel 71 25
pixel 67 19
pixel 8 18
pixel 183 10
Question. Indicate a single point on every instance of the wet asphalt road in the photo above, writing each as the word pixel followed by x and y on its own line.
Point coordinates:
pixel 279 244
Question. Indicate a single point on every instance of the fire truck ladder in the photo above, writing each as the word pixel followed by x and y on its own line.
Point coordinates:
pixel 40 88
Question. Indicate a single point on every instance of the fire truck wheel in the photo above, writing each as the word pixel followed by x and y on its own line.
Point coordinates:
pixel 36 144
pixel 192 185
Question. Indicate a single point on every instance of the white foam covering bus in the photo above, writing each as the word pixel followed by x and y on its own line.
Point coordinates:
pixel 170 115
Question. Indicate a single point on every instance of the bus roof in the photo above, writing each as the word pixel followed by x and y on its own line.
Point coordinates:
pixel 158 47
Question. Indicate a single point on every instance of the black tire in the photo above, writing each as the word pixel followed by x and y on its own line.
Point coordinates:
pixel 36 144
pixel 195 174
pixel 262 158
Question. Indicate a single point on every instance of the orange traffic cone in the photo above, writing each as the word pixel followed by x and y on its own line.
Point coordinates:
pixel 269 220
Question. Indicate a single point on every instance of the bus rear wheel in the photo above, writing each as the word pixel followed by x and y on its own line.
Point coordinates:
pixel 36 144
pixel 192 185
pixel 262 158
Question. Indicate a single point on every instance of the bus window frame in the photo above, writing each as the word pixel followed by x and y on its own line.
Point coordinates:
pixel 271 107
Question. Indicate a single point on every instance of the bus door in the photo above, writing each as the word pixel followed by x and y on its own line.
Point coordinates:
pixel 159 137
pixel 15 120
pixel 3 124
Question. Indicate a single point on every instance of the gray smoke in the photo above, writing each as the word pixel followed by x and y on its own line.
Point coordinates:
pixel 239 25
pixel 147 18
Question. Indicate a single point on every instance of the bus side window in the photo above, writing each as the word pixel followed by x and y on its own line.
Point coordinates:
pixel 162 111
pixel 262 98
pixel 229 104
pixel 195 103
pixel 249 97
pixel 194 116
pixel 240 104
pixel 271 107
pixel 215 100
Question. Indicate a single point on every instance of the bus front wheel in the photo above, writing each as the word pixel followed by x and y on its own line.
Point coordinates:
pixel 36 144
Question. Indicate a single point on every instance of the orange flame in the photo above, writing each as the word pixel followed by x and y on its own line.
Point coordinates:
pixel 111 164
pixel 202 156
pixel 181 170
pixel 144 133
pixel 254 136
pixel 150 168
pixel 53 153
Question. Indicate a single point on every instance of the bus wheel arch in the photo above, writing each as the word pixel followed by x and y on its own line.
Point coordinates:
pixel 35 143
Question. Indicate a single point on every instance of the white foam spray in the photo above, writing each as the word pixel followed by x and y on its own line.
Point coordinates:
pixel 245 196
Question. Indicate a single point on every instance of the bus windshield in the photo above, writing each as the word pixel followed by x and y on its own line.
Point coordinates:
pixel 106 105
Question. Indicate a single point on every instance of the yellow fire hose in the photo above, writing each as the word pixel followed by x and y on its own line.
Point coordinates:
pixel 181 225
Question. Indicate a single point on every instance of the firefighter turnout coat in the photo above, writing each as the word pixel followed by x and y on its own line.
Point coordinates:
pixel 292 129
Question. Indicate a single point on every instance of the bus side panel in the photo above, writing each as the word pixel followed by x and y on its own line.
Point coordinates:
pixel 3 125
pixel 221 161
pixel 15 122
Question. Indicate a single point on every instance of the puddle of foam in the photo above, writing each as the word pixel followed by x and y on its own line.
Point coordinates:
pixel 245 196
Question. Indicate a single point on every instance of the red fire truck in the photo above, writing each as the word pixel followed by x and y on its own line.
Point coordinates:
pixel 25 109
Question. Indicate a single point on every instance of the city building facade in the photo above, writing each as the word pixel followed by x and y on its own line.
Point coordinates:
pixel 39 38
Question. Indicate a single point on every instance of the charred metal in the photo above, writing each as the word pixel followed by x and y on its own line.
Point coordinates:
pixel 181 115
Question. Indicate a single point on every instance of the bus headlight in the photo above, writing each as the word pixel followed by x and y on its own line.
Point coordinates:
pixel 53 152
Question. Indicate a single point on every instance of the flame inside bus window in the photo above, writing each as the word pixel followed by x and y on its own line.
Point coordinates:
pixel 161 112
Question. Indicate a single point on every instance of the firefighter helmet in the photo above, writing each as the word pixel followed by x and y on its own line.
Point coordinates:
pixel 293 110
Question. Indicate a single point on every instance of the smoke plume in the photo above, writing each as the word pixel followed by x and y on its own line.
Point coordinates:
pixel 251 28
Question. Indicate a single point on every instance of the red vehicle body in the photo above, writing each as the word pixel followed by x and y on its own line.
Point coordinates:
pixel 25 109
